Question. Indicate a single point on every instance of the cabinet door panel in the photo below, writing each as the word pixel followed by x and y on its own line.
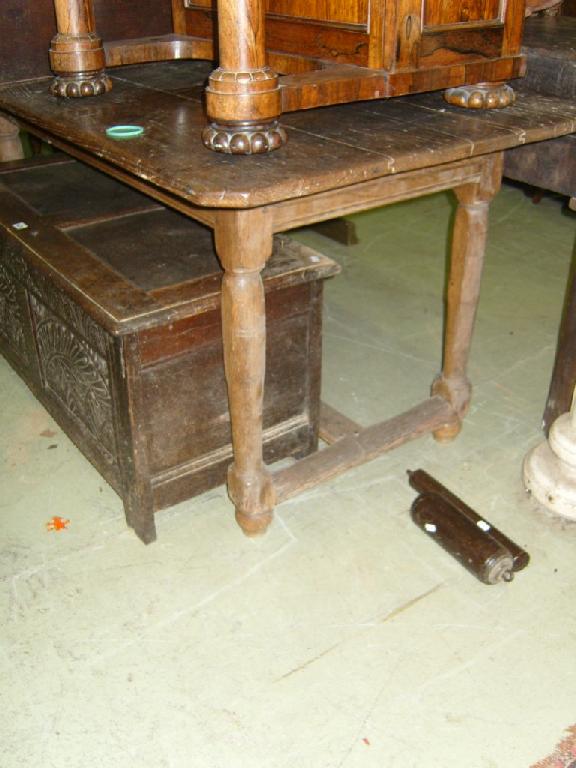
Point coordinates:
pixel 340 11
pixel 443 12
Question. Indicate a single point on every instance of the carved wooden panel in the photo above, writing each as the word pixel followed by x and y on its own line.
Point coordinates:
pixel 12 320
pixel 75 374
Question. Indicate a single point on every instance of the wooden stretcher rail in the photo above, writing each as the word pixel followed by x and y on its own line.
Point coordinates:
pixel 358 448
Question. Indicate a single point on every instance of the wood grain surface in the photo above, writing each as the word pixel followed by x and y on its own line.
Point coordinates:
pixel 328 148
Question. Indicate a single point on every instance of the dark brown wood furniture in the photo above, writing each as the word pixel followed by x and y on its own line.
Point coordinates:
pixel 110 311
pixel 563 379
pixel 277 56
pixel 550 48
pixel 339 160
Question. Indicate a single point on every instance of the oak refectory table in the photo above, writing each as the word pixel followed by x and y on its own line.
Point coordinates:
pixel 338 160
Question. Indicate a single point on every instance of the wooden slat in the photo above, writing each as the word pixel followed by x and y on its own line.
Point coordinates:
pixel 357 449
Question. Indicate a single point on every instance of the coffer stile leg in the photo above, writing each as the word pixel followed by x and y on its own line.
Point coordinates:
pixel 244 244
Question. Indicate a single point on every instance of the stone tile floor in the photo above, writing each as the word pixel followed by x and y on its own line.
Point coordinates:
pixel 344 637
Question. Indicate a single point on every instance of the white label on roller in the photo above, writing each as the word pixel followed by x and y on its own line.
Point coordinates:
pixel 483 525
pixel 430 527
pixel 20 225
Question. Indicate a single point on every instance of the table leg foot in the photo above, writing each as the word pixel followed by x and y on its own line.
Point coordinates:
pixel 254 499
pixel 456 391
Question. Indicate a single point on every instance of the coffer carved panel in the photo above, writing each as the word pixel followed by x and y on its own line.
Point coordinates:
pixel 12 320
pixel 75 374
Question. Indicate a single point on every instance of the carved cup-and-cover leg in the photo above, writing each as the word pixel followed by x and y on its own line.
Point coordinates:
pixel 243 96
pixel 76 53
pixel 466 262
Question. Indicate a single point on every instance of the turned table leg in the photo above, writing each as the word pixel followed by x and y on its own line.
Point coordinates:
pixel 76 53
pixel 467 257
pixel 243 96
pixel 10 144
pixel 244 243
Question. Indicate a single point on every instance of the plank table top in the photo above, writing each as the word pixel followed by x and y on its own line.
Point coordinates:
pixel 328 148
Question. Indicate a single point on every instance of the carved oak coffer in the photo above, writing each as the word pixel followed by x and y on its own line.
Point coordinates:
pixel 110 311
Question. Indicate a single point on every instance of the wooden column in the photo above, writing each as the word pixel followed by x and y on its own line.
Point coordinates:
pixel 10 144
pixel 243 96
pixel 244 243
pixel 76 53
pixel 467 258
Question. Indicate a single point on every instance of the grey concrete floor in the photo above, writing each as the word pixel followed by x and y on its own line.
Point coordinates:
pixel 344 637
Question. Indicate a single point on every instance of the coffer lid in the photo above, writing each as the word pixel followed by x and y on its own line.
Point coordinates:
pixel 124 258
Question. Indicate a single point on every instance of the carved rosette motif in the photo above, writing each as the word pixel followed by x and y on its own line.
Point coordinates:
pixel 481 96
pixel 12 322
pixel 76 374
pixel 80 84
pixel 39 284
pixel 244 138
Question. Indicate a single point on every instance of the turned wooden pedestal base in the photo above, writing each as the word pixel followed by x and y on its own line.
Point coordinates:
pixel 481 96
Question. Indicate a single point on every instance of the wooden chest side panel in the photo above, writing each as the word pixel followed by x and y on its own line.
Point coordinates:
pixel 186 409
pixel 61 353
pixel 546 165
pixel 76 375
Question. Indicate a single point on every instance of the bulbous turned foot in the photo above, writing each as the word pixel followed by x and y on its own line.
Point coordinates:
pixel 244 138
pixel 254 525
pixel 254 497
pixel 457 391
pixel 80 84
pixel 481 96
